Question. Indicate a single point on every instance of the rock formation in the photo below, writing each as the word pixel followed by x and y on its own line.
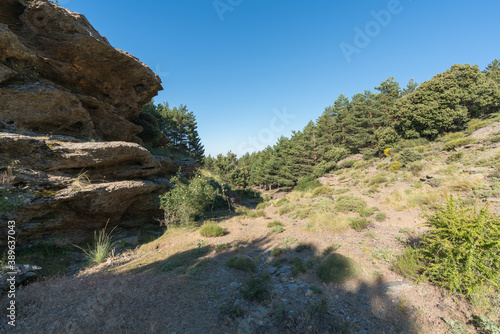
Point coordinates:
pixel 70 157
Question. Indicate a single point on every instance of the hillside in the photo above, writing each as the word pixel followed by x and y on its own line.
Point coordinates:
pixel 181 281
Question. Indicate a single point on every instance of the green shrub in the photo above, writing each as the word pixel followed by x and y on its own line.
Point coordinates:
pixel 416 167
pixel 408 155
pixel 409 263
pixel 378 179
pixel 337 268
pixel 9 201
pixel 221 247
pixel 277 229
pixel 282 201
pixel 298 266
pixel 458 143
pixel 367 212
pixel 359 224
pixel 347 163
pixel 395 166
pixel 242 210
pixel 302 248
pixel 381 216
pixel 232 311
pixel 211 229
pixel 307 183
pixel 278 251
pixel 323 190
pixel 330 249
pixel 462 249
pixel 350 204
pixel 360 164
pixel 383 165
pixel 257 288
pixel 262 206
pixel 242 263
pixel 286 209
pixel 275 223
pixel 187 200
pixel 260 213
pixel 456 156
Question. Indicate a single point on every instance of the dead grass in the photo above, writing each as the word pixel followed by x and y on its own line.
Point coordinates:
pixel 106 303
pixel 7 177
pixel 402 199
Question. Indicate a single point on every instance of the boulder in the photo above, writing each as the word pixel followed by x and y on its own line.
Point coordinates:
pixel 19 274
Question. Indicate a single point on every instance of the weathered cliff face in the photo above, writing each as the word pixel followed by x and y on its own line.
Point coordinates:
pixel 59 75
pixel 70 158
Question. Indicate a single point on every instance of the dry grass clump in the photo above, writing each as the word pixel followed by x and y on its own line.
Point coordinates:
pixel 404 199
pixel 463 183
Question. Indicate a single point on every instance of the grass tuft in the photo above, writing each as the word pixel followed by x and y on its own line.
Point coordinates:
pixel 211 229
pixel 102 247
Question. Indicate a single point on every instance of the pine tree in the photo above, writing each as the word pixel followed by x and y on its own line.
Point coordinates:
pixel 492 71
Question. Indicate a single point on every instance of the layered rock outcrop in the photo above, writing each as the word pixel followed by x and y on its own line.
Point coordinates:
pixel 70 157
pixel 59 75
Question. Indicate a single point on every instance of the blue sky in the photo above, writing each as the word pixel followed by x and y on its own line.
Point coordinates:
pixel 252 71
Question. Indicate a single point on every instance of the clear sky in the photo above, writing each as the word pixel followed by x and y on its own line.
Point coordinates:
pixel 253 70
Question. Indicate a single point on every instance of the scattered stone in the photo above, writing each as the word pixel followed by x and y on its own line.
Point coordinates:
pixel 234 285
pixel 22 274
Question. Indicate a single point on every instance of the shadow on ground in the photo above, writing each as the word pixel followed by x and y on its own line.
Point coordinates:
pixel 193 291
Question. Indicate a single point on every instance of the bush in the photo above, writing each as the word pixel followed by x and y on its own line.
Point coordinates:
pixel 409 263
pixel 211 229
pixel 277 229
pixel 282 201
pixel 416 167
pixel 242 263
pixel 302 248
pixel 350 204
pixel 381 216
pixel 187 200
pixel 275 223
pixel 462 249
pixel 456 156
pixel 378 179
pixel 347 163
pixel 368 212
pixel 257 289
pixel 232 311
pixel 298 266
pixel 307 183
pixel 278 252
pixel 337 268
pixel 286 209
pixel 395 166
pixel 360 164
pixel 408 155
pixel 359 224
pixel 261 206
pixel 458 143
pixel 323 190
pixel 260 213
pixel 9 201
